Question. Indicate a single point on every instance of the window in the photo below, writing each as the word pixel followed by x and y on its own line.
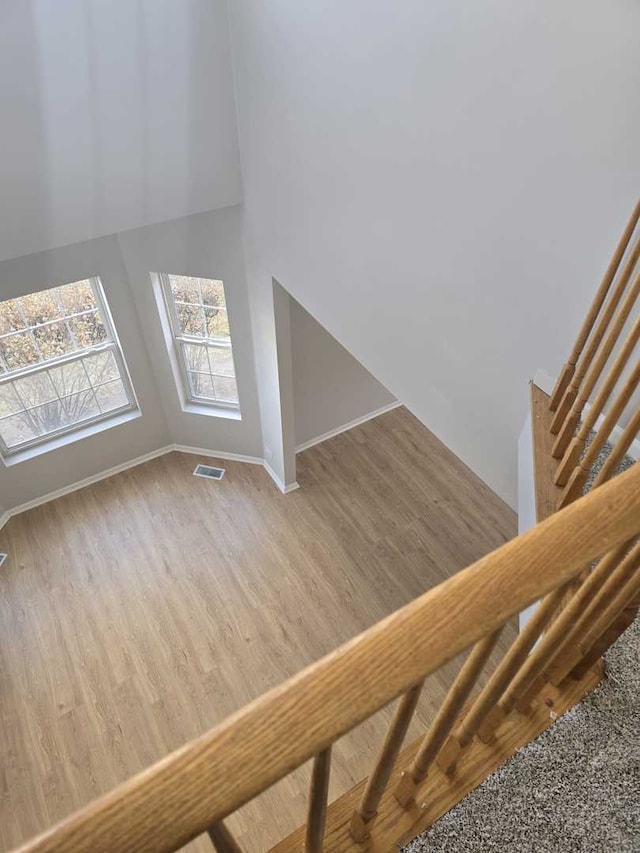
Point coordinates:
pixel 200 329
pixel 60 365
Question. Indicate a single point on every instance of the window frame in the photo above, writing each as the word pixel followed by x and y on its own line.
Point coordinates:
pixel 179 339
pixel 112 344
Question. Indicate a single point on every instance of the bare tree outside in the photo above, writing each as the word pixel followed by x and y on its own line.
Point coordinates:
pixel 51 375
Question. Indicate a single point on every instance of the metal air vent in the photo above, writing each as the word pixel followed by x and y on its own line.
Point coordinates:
pixel 209 472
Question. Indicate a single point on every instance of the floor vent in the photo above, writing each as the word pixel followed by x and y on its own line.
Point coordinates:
pixel 208 471
pixel 3 557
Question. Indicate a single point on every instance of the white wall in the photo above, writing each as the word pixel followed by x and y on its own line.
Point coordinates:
pixel 207 245
pixel 25 481
pixel 330 387
pixel 115 114
pixel 463 169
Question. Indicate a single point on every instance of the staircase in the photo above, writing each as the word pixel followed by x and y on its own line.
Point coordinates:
pixel 580 562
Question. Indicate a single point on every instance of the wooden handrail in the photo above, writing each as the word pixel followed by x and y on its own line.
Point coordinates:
pixel 195 787
pixel 557 634
pixel 568 370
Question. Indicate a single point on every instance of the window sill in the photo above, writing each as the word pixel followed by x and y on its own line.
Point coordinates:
pixel 211 411
pixel 70 438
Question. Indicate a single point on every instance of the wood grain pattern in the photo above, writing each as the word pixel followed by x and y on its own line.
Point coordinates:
pixel 598 301
pixel 139 612
pixel 439 793
pixel 201 783
pixel 547 493
pixel 568 430
pixel 610 315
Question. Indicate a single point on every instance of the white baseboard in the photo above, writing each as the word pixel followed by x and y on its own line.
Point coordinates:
pixel 285 489
pixel 139 460
pixel 368 417
pixel 214 454
pixel 81 484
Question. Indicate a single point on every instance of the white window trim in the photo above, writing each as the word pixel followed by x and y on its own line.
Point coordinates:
pixel 30 448
pixel 175 341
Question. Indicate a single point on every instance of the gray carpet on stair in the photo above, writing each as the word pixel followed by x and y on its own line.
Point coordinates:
pixel 574 789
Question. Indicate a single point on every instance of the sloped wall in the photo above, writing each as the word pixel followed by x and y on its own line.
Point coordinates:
pixel 330 387
pixel 441 184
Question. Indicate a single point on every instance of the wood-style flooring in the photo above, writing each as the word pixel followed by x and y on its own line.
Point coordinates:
pixel 139 612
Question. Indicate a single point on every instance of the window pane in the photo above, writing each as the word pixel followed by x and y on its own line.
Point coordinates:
pixel 184 288
pixel 195 356
pixel 35 389
pixel 88 330
pixel 9 402
pixel 58 414
pixel 101 367
pixel 217 322
pixel 40 307
pixel 112 396
pixel 78 407
pixel 53 325
pixel 202 385
pixel 18 429
pixel 76 297
pixel 221 360
pixel 10 317
pixel 19 351
pixel 212 292
pixel 225 389
pixel 69 378
pixel 190 320
pixel 53 340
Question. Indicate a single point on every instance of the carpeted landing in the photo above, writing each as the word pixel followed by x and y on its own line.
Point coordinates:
pixel 574 789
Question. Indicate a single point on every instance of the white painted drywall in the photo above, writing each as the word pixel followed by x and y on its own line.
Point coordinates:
pixel 207 245
pixel 114 114
pixel 56 469
pixel 447 177
pixel 330 387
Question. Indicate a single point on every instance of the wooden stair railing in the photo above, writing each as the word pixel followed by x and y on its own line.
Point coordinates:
pixel 193 790
pixel 581 562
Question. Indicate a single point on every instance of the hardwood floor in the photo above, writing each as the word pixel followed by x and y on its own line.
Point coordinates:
pixel 139 612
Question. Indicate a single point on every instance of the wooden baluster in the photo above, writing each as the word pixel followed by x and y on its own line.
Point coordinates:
pixel 619 451
pixel 222 839
pixel 581 471
pixel 573 452
pixel 559 631
pixel 620 588
pixel 620 624
pixel 619 319
pixel 573 419
pixel 601 294
pixel 379 778
pixel 495 686
pixel 318 794
pixel 445 719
